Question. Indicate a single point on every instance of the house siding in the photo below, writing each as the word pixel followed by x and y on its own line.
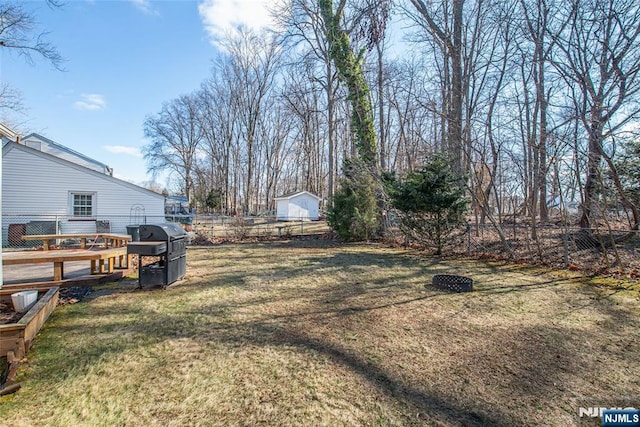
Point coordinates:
pixel 35 184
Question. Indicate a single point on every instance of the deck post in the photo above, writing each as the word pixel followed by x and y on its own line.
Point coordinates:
pixel 58 270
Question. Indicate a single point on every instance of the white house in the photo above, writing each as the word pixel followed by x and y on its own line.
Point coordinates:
pixel 300 205
pixel 47 184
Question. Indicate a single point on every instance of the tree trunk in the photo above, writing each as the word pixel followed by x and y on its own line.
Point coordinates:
pixel 594 157
pixel 455 115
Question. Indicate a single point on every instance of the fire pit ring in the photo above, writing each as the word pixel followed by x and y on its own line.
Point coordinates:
pixel 453 282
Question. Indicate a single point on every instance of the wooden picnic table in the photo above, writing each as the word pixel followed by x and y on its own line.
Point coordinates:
pixel 103 260
pixel 110 240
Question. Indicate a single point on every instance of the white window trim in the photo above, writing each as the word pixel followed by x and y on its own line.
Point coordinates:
pixel 94 204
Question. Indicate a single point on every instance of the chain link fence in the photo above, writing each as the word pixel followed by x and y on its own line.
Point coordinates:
pixel 264 226
pixel 592 250
pixel 203 227
pixel 560 246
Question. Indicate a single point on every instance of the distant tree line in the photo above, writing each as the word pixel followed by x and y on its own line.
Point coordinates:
pixel 535 104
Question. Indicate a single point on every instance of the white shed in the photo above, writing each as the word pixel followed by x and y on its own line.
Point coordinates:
pixel 40 186
pixel 297 206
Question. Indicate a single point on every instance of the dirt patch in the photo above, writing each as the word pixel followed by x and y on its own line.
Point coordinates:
pixel 73 295
pixel 8 315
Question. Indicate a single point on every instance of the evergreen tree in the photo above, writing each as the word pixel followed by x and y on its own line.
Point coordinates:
pixel 354 214
pixel 430 203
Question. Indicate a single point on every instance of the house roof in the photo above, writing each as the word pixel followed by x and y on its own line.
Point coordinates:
pixel 7 132
pixel 296 194
pixel 17 146
pixel 67 153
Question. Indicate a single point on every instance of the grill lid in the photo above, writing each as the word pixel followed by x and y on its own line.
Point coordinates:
pixel 147 248
pixel 161 232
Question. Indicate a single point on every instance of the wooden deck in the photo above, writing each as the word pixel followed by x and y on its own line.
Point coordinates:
pixel 77 280
pixel 103 261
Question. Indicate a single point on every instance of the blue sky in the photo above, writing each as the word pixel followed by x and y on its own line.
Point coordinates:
pixel 124 58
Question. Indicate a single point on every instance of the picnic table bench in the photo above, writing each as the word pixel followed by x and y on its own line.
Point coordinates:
pixel 109 240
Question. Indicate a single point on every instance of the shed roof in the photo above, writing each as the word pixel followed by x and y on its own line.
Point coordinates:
pixel 296 194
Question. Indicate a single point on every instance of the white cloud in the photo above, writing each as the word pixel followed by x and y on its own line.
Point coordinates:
pixel 91 102
pixel 225 17
pixel 121 149
pixel 144 6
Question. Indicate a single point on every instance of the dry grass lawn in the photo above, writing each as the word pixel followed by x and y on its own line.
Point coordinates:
pixel 319 334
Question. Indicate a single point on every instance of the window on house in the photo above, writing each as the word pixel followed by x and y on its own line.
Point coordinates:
pixel 82 204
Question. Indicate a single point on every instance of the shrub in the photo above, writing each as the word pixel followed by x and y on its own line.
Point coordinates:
pixel 239 228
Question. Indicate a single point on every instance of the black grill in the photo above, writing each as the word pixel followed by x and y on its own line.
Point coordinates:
pixel 167 241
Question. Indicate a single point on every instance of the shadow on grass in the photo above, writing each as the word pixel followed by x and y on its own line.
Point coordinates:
pixel 144 327
pixel 433 406
pixel 150 329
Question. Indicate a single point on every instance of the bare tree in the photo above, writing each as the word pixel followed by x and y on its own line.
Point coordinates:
pixel 304 26
pixel 597 52
pixel 220 123
pixel 175 136
pixel 444 22
pixel 537 18
pixel 412 115
pixel 253 63
pixel 276 134
pixel 19 33
pixel 10 98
